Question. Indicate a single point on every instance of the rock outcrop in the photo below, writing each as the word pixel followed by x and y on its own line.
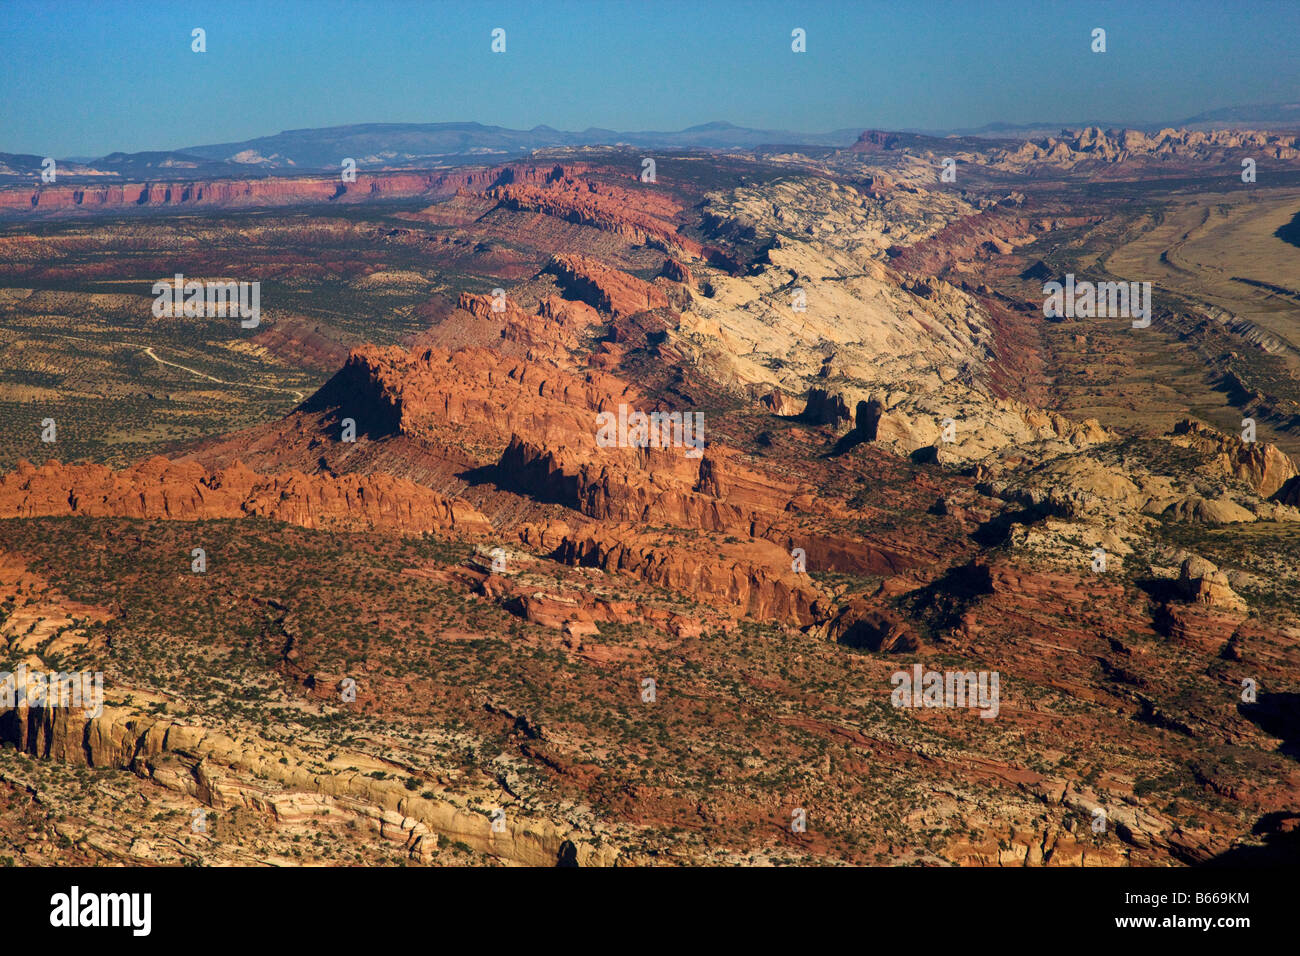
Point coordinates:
pixel 269 191
pixel 751 590
pixel 218 769
pixel 1203 583
pixel 640 215
pixel 1263 466
pixel 604 288
pixel 185 491
pixel 1093 144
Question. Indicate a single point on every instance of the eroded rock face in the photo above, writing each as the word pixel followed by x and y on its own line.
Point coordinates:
pixel 1093 144
pixel 753 590
pixel 40 617
pixel 862 625
pixel 185 491
pixel 641 215
pixel 217 768
pixel 277 191
pixel 678 272
pixel 1204 583
pixel 609 290
pixel 781 404
pixel 995 231
pixel 823 408
pixel 1263 466
pixel 550 333
pixel 467 398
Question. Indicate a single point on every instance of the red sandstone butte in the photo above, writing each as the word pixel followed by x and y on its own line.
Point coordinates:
pixel 604 287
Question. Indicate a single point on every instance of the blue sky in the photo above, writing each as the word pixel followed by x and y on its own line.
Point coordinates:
pixel 86 78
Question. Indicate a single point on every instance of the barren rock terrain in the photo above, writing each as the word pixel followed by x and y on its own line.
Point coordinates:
pixel 556 517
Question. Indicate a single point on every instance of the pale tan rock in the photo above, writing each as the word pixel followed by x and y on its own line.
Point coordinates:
pixel 1204 583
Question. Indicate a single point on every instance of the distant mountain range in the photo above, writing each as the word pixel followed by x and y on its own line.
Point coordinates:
pixel 425 145
pixel 398 145
pixel 388 144
pixel 1269 116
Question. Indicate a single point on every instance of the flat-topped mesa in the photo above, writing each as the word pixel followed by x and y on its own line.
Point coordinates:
pixel 472 394
pixel 186 491
pixel 604 287
pixel 875 141
pixel 273 190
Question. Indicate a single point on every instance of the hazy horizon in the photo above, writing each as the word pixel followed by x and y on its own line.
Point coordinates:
pixel 130 81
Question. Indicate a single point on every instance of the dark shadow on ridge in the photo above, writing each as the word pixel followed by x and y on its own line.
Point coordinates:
pixel 1281 834
pixel 1279 716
